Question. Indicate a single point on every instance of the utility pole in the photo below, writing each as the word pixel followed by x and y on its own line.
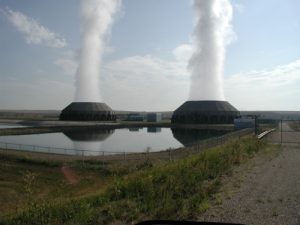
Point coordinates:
pixel 256 124
pixel 281 131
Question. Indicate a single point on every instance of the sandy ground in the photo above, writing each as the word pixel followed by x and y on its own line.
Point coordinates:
pixel 69 174
pixel 266 190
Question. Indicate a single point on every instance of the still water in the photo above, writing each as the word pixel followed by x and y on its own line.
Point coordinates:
pixel 95 142
pixel 7 125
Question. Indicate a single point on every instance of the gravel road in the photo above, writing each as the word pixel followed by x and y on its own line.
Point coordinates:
pixel 266 190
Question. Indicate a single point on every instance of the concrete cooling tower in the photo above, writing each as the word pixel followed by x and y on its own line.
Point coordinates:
pixel 87 111
pixel 205 112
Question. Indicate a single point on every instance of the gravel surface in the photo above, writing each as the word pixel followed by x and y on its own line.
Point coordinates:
pixel 266 190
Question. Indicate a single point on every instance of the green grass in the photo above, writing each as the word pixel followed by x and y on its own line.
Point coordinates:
pixel 25 180
pixel 29 160
pixel 176 190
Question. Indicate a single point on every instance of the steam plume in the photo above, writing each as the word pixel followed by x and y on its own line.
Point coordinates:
pixel 97 18
pixel 211 34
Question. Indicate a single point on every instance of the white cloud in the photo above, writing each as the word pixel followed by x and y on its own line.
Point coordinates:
pixel 69 66
pixel 151 83
pixel 144 83
pixel 183 52
pixel 33 31
pixel 272 89
pixel 35 94
pixel 67 62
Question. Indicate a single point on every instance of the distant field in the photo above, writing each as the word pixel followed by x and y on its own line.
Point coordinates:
pixel 30 114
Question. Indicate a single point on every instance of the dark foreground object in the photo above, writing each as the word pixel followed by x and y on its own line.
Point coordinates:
pixel 205 112
pixel 170 222
pixel 87 111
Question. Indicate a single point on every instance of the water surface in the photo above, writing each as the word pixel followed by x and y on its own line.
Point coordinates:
pixel 8 125
pixel 99 142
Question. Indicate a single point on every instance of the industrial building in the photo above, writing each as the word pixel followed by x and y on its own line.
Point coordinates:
pixel 154 117
pixel 205 112
pixel 87 111
pixel 135 117
pixel 242 123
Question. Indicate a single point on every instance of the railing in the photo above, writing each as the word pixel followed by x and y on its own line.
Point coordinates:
pixel 168 154
pixel 263 134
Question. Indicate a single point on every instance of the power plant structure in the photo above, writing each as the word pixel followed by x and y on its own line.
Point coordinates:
pixel 88 135
pixel 205 112
pixel 87 111
pixel 188 137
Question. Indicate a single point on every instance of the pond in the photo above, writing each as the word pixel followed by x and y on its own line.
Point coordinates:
pixel 99 142
pixel 8 125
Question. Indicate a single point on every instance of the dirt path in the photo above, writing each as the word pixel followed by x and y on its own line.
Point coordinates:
pixel 70 175
pixel 265 191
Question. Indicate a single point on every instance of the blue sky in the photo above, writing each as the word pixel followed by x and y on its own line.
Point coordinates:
pixel 144 65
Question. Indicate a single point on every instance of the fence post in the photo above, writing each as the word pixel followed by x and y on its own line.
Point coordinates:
pixel 82 157
pixel 281 131
pixel 170 158
pixel 102 158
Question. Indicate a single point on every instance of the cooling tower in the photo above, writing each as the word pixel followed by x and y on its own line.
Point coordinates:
pixel 191 136
pixel 87 111
pixel 89 134
pixel 205 112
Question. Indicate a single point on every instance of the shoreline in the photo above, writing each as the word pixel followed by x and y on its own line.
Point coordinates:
pixel 46 126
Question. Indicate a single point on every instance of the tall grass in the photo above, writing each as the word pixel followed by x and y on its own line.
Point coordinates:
pixel 176 190
pixel 29 160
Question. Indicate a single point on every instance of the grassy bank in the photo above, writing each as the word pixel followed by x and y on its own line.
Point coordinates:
pixel 175 190
pixel 27 180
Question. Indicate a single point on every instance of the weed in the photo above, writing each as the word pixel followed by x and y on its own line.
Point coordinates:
pixel 29 180
pixel 275 213
pixel 219 199
pixel 176 190
pixel 260 200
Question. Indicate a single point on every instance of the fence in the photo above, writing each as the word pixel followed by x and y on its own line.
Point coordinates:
pixel 288 132
pixel 169 154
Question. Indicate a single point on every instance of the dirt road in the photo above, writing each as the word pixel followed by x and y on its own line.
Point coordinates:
pixel 266 190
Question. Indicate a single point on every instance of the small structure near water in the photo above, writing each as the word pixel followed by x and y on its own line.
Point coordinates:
pixel 242 123
pixel 135 117
pixel 154 117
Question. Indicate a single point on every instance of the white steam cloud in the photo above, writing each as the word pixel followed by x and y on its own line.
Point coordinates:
pixel 211 35
pixel 33 31
pixel 97 18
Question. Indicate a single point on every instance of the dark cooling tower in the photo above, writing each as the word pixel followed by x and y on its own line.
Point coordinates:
pixel 89 134
pixel 87 111
pixel 205 112
pixel 191 136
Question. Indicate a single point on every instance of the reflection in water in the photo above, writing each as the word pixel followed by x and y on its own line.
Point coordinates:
pixel 89 135
pixel 89 141
pixel 7 125
pixel 153 129
pixel 134 129
pixel 109 141
pixel 191 136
